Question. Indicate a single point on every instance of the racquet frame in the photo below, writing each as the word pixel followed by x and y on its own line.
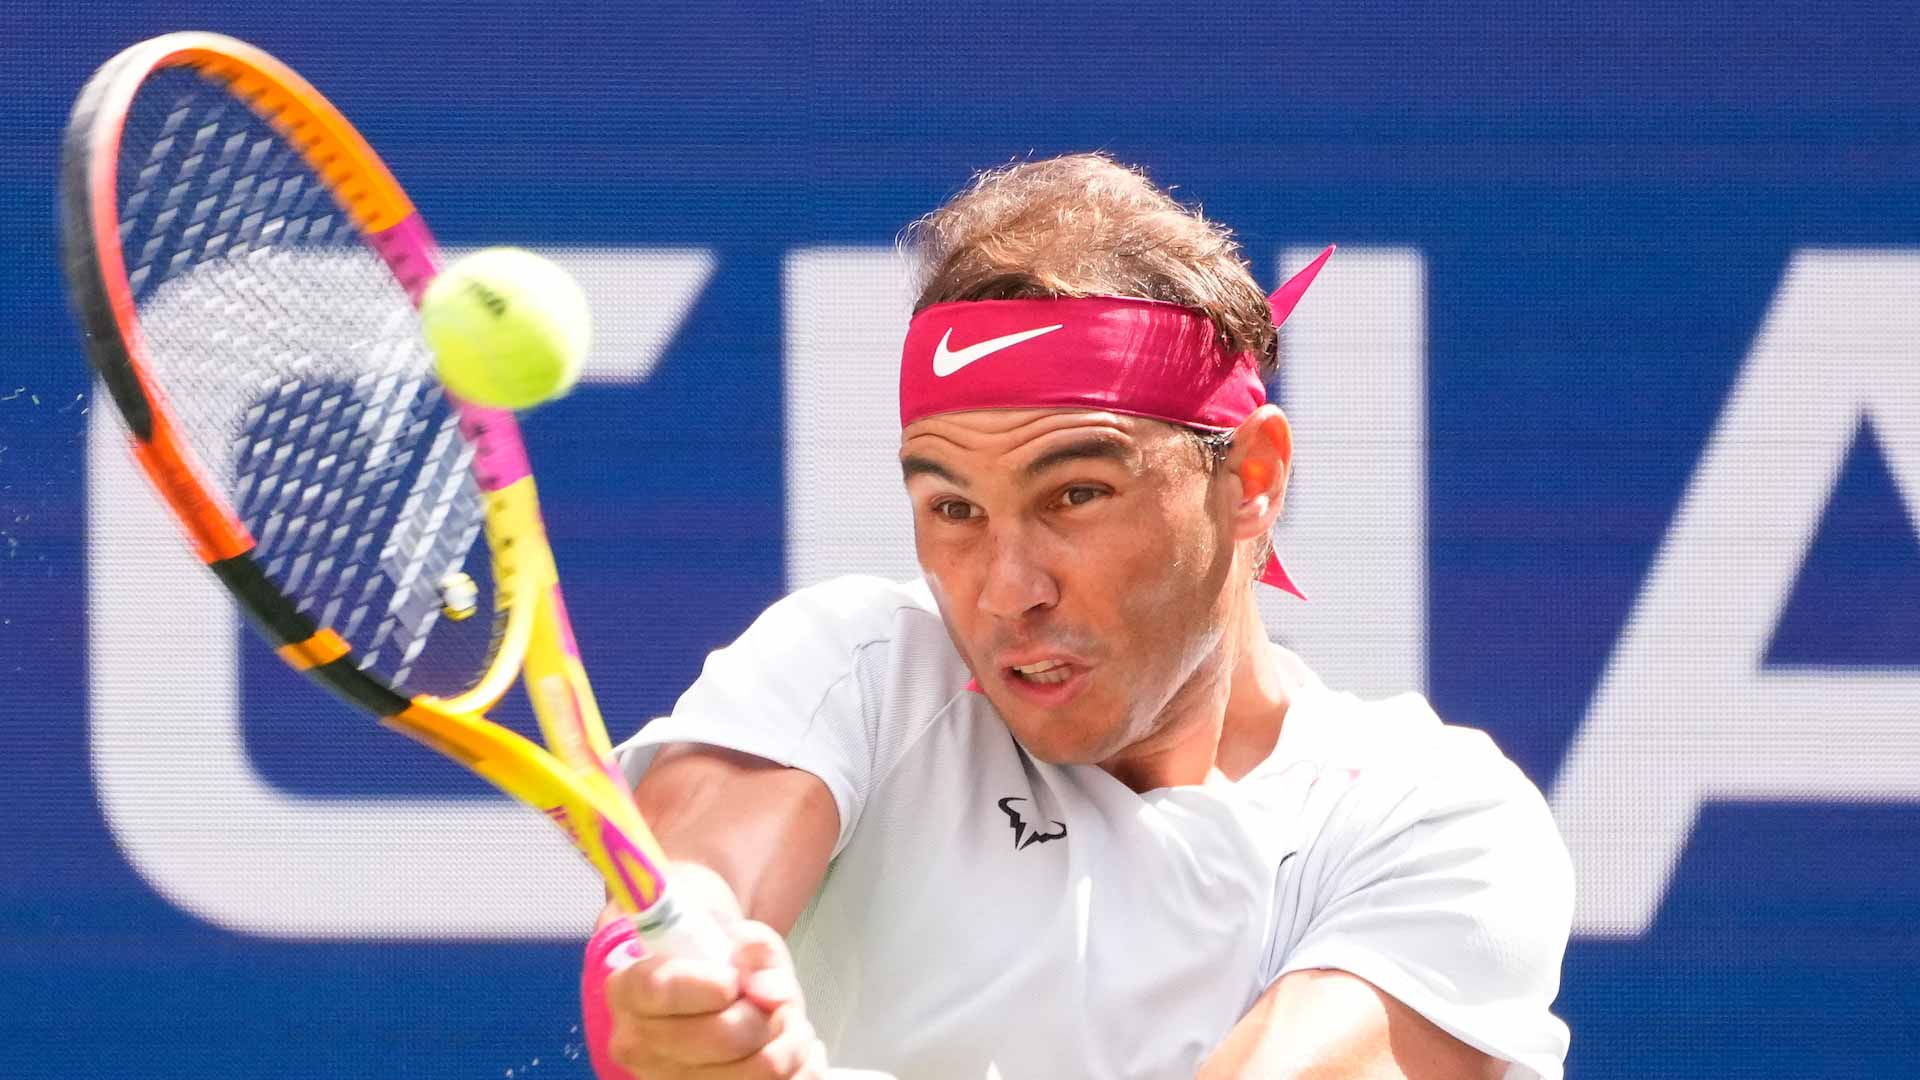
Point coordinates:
pixel 575 782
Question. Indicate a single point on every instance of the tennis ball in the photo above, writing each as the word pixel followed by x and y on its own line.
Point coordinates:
pixel 508 328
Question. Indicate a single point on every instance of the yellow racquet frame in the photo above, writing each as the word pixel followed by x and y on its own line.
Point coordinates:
pixel 575 781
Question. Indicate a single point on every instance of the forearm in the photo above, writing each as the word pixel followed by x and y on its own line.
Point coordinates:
pixel 1330 1025
pixel 748 840
pixel 748 837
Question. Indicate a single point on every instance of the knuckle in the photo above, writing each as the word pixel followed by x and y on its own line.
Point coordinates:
pixel 743 1030
pixel 756 944
pixel 766 1065
pixel 789 1022
pixel 792 1049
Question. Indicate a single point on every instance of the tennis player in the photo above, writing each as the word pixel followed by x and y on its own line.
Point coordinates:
pixel 1062 808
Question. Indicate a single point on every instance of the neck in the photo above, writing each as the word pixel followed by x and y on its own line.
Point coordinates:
pixel 1234 714
pixel 1265 679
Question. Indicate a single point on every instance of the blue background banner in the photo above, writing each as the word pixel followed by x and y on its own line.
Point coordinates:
pixel 1666 256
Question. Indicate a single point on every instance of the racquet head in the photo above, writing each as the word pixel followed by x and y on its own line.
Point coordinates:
pixel 245 270
pixel 269 363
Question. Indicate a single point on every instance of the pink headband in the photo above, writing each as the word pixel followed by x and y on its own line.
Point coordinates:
pixel 1138 357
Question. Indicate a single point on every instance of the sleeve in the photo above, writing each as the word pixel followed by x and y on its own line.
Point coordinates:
pixel 1453 894
pixel 790 690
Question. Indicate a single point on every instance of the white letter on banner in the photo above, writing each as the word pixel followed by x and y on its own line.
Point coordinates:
pixel 846 312
pixel 186 805
pixel 1685 712
pixel 1355 386
pixel 1353 367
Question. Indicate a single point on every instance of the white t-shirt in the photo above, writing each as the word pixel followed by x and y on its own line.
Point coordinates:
pixel 989 914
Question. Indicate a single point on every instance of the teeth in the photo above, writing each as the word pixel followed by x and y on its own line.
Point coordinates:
pixel 1046 671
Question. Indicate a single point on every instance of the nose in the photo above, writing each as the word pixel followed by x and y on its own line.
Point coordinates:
pixel 1017 583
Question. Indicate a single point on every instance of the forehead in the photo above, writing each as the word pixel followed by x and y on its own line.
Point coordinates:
pixel 982 439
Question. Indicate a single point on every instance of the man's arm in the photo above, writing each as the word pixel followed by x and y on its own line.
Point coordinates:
pixel 749 831
pixel 749 841
pixel 765 831
pixel 1329 1025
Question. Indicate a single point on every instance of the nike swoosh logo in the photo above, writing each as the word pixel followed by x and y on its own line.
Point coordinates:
pixel 947 362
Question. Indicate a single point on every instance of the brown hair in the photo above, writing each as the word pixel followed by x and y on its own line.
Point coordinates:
pixel 1085 225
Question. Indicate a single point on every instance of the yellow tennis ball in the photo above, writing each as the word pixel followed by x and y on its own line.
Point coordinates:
pixel 508 328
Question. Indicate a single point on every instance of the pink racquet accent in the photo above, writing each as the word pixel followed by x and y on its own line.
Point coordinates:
pixel 499 457
pixel 409 252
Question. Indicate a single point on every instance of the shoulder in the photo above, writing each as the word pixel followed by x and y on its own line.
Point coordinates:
pixel 835 679
pixel 869 632
pixel 1395 794
pixel 1434 870
pixel 852 609
pixel 1398 752
pixel 824 630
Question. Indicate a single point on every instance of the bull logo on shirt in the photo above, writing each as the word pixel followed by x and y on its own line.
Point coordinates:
pixel 1025 835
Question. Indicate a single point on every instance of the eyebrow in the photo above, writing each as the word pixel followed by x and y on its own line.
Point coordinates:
pixel 914 465
pixel 1098 448
pixel 1094 448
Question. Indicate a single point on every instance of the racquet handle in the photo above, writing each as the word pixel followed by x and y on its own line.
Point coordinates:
pixel 671 929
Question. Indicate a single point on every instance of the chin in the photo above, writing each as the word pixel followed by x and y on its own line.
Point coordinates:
pixel 1058 755
pixel 1057 740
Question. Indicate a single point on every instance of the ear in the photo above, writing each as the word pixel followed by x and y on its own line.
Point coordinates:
pixel 1262 460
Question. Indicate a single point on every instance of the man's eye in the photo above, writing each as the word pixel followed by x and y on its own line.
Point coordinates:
pixel 953 510
pixel 1080 496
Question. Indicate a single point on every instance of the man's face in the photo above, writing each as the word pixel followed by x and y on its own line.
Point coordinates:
pixel 1082 563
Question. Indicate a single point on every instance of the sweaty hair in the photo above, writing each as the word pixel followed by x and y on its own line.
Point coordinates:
pixel 1084 225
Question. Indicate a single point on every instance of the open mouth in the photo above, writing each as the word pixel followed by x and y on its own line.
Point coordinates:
pixel 1044 673
pixel 1047 683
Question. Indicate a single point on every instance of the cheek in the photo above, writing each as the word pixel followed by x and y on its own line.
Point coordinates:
pixel 1174 579
pixel 943 574
pixel 951 577
pixel 1171 549
pixel 938 558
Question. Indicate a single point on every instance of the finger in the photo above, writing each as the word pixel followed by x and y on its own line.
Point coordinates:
pixel 817 1068
pixel 757 945
pixel 733 1034
pixel 765 966
pixel 792 1054
pixel 672 986
pixel 796 1051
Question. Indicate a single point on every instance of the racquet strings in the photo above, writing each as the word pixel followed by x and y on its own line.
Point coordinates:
pixel 295 370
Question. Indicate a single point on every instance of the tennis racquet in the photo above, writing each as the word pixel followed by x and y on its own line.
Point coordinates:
pixel 245 270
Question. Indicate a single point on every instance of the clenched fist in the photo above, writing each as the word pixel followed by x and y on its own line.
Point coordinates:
pixel 674 1017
